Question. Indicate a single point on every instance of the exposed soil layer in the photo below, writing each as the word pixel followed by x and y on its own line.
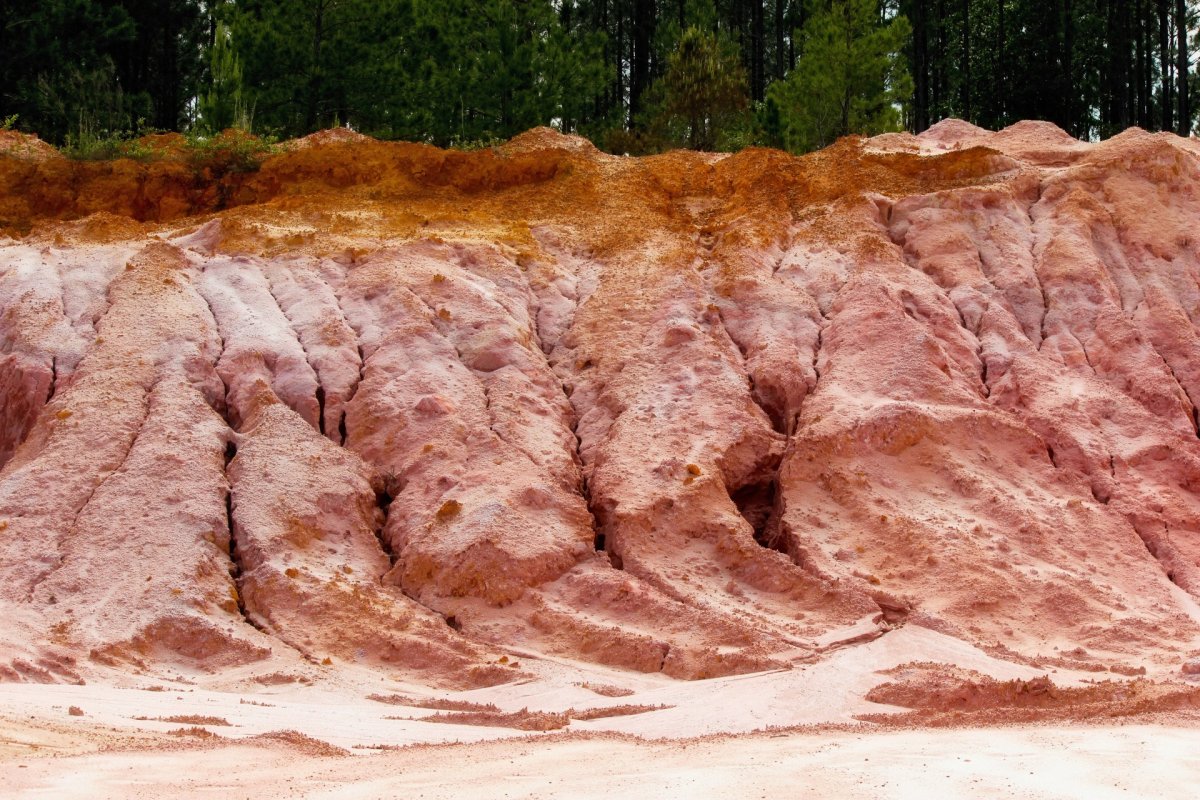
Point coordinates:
pixel 944 696
pixel 381 406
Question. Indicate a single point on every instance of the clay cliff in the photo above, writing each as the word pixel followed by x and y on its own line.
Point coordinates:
pixel 389 406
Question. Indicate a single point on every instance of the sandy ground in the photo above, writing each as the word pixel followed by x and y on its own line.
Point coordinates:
pixel 1096 763
pixel 336 708
pixel 716 738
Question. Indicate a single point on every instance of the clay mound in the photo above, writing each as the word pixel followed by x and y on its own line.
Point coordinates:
pixel 26 147
pixel 945 696
pixel 895 142
pixel 391 409
pixel 1033 131
pixel 953 132
pixel 328 137
pixel 297 742
pixel 523 720
pixel 543 138
pixel 1038 142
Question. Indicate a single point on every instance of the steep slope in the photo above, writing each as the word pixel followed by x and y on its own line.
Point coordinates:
pixel 393 406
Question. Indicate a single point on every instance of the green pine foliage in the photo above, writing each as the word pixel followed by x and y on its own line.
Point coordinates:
pixel 442 71
pixel 851 78
pixel 636 75
pixel 703 93
pixel 222 105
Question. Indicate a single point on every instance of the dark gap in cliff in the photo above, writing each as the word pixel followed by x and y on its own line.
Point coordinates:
pixel 776 415
pixel 453 622
pixel 1050 455
pixel 600 540
pixel 1033 266
pixel 320 408
pixel 1152 544
pixel 383 500
pixel 362 370
pixel 778 423
pixel 1192 411
pixel 892 611
pixel 53 379
pixel 758 503
pixel 761 505
pixel 1178 568
pixel 235 562
pixel 1045 311
pixel 983 364
pixel 320 393
pixel 962 323
pixel 817 352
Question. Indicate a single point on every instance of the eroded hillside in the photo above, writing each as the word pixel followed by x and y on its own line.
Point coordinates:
pixel 386 405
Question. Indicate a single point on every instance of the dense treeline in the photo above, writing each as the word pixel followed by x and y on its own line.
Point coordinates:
pixel 1093 67
pixel 631 74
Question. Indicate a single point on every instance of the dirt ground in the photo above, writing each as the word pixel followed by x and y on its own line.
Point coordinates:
pixel 1018 762
pixel 788 733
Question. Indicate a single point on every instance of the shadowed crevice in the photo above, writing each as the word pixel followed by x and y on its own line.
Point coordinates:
pixel 235 562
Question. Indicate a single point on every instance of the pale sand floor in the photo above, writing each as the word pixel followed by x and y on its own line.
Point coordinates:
pixel 108 753
pixel 336 708
pixel 1136 761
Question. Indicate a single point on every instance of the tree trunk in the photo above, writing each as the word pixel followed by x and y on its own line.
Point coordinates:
pixel 760 73
pixel 920 67
pixel 1147 29
pixel 1001 48
pixel 643 35
pixel 1164 65
pixel 846 95
pixel 965 69
pixel 1068 83
pixel 1128 71
pixel 1140 57
pixel 779 39
pixel 1181 68
pixel 314 80
pixel 620 61
pixel 939 67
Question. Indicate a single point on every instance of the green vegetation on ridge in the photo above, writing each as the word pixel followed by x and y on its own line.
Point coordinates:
pixel 633 75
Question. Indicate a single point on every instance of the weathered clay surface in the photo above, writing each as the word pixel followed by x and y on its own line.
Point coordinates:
pixel 693 414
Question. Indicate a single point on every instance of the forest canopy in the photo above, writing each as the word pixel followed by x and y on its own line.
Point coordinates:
pixel 633 75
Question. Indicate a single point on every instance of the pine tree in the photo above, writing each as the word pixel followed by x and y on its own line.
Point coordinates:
pixel 489 69
pixel 703 90
pixel 850 77
pixel 57 71
pixel 222 106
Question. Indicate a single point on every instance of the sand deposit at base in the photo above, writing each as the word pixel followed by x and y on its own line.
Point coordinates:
pixel 742 439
